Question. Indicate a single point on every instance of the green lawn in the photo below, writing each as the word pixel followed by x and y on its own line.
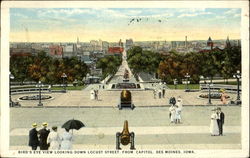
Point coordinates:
pixel 183 86
pixel 229 83
pixel 68 88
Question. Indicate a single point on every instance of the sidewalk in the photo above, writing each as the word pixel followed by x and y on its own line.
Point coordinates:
pixel 112 99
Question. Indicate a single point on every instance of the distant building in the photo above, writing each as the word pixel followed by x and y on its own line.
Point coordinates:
pixel 69 50
pixel 210 43
pixel 115 50
pixel 22 52
pixel 56 51
pixel 129 43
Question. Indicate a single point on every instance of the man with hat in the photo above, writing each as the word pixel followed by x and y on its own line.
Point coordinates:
pixel 220 120
pixel 33 138
pixel 43 134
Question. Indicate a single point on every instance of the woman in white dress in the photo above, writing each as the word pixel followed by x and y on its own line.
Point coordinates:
pixel 178 114
pixel 179 102
pixel 214 128
pixel 172 113
pixel 54 139
pixel 67 139
pixel 92 94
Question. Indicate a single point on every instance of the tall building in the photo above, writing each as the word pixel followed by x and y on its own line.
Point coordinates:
pixel 185 41
pixel 210 43
pixel 228 44
pixel 129 43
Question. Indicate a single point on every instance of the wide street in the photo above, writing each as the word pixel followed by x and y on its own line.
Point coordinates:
pixel 150 124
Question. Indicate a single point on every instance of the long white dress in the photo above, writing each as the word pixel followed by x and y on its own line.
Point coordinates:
pixel 179 104
pixel 178 113
pixel 54 140
pixel 92 94
pixel 172 111
pixel 66 141
pixel 214 128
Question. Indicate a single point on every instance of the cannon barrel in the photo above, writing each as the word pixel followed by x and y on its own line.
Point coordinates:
pixel 125 136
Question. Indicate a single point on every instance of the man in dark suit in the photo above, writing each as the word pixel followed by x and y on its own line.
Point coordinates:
pixel 33 138
pixel 43 135
pixel 220 120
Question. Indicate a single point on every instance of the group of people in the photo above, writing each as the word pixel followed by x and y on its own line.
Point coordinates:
pixel 160 93
pixel 94 94
pixel 217 122
pixel 175 110
pixel 49 140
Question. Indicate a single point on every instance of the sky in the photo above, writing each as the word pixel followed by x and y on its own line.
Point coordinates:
pixel 112 24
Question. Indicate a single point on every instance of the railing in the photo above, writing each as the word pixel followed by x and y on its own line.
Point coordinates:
pixel 28 90
pixel 217 87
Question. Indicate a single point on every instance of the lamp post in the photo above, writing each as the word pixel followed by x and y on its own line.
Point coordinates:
pixel 187 80
pixel 237 75
pixel 209 92
pixel 11 78
pixel 40 98
pixel 175 83
pixel 63 77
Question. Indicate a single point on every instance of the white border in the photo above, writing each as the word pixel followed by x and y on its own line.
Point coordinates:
pixel 4 95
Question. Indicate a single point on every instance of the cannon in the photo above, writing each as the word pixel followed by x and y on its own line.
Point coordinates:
pixel 125 137
pixel 125 100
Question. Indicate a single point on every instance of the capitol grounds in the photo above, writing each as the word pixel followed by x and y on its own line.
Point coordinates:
pixel 149 120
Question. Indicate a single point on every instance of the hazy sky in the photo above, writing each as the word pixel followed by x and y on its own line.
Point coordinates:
pixel 111 24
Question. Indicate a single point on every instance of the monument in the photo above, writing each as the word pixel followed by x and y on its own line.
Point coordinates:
pixel 126 100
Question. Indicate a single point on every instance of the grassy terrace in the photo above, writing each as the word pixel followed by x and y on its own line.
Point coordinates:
pixel 183 86
pixel 68 88
pixel 52 88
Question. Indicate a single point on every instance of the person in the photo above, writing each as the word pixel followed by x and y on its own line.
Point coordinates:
pixel 177 114
pixel 172 113
pixel 43 135
pixel 163 92
pixel 220 120
pixel 54 139
pixel 92 94
pixel 67 139
pixel 159 93
pixel 224 98
pixel 179 102
pixel 214 128
pixel 172 101
pixel 33 138
pixel 96 94
pixel 154 92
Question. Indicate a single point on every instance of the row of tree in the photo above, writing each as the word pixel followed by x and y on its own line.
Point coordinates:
pixel 109 64
pixel 174 65
pixel 42 67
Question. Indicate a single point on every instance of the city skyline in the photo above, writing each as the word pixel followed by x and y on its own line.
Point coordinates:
pixel 111 24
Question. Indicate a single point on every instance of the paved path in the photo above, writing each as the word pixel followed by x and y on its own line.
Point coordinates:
pixel 171 137
pixel 111 98
pixel 138 130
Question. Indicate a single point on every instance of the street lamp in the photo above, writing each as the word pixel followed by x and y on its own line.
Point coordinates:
pixel 209 92
pixel 175 83
pixel 237 75
pixel 63 77
pixel 187 80
pixel 11 78
pixel 40 99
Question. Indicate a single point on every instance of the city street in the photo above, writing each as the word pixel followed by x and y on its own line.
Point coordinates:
pixel 150 124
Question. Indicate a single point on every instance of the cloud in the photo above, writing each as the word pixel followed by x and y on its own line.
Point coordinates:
pixel 19 15
pixel 191 10
pixel 193 14
pixel 232 11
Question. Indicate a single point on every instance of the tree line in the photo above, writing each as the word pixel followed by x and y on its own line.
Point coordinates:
pixel 46 69
pixel 175 65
